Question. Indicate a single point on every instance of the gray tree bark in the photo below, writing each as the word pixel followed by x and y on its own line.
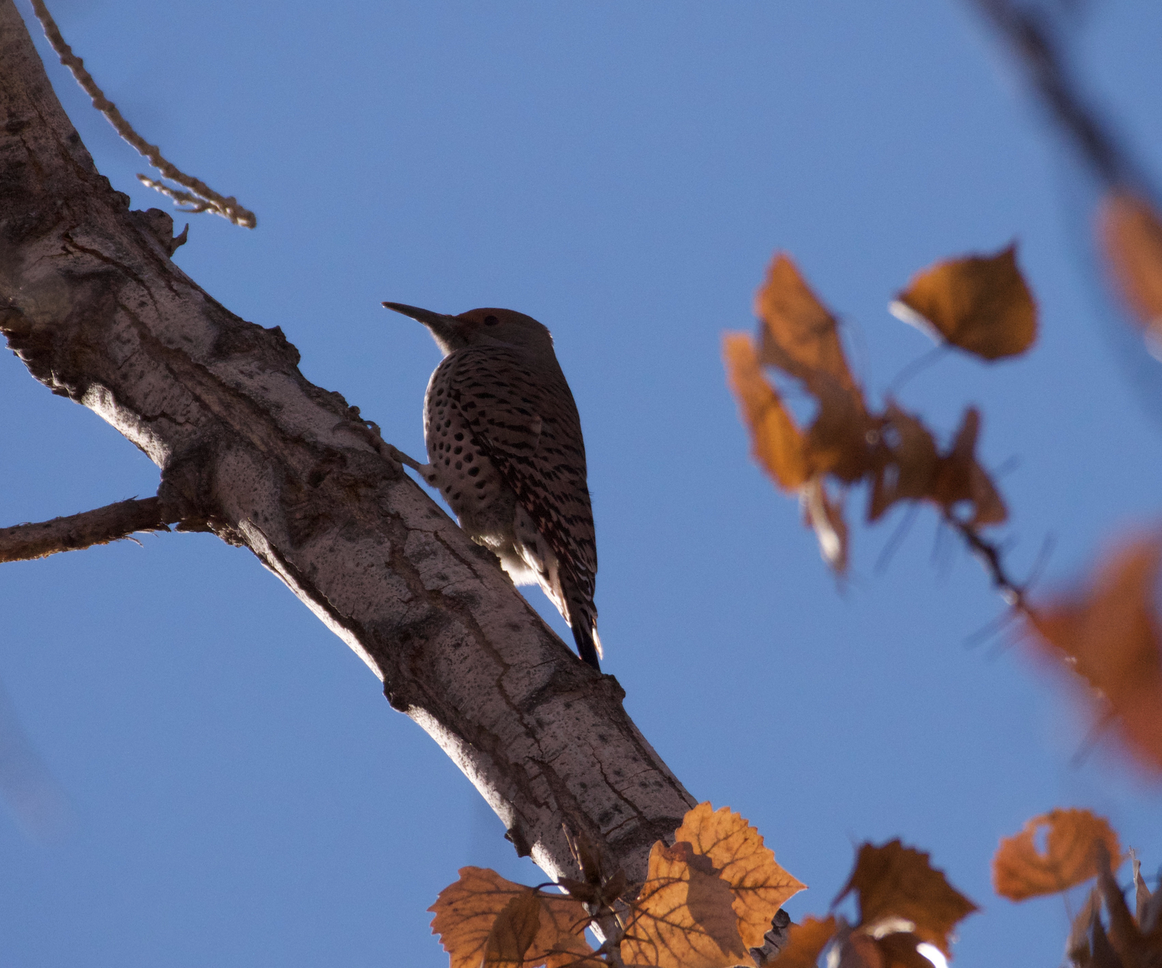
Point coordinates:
pixel 92 303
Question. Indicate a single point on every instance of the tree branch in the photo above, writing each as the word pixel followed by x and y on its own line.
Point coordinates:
pixel 113 522
pixel 92 304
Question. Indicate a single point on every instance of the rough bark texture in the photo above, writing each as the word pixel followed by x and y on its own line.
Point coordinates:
pixel 91 302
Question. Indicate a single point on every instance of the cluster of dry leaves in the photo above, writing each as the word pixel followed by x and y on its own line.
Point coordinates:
pixel 711 897
pixel 1107 633
pixel 1080 847
pixel 979 304
pixel 705 902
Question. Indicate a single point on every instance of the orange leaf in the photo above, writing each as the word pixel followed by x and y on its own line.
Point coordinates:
pixel 978 303
pixel 776 442
pixel 909 472
pixel 900 949
pixel 684 915
pixel 513 932
pixel 825 515
pixel 1130 233
pixel 1071 854
pixel 1111 635
pixel 806 942
pixel 741 859
pixel 467 912
pixel 896 883
pixel 959 477
pixel 799 335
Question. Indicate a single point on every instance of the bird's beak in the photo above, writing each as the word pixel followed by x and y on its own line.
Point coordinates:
pixel 425 316
pixel 446 329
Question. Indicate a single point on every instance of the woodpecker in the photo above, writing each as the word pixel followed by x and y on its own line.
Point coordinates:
pixel 505 450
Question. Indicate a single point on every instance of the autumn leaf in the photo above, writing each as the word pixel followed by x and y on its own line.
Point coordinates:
pixel 959 477
pixel 1137 940
pixel 799 334
pixel 513 932
pixel 909 469
pixel 684 916
pixel 1130 235
pixel 1110 634
pixel 806 942
pixel 895 883
pixel 738 854
pixel 483 919
pixel 776 442
pixel 1073 841
pixel 978 303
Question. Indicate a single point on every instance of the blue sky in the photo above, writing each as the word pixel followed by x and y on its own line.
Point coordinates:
pixel 234 790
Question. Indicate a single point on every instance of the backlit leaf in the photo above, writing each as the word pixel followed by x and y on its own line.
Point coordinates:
pixel 684 916
pixel 799 335
pixel 806 942
pixel 1110 634
pixel 978 303
pixel 738 854
pixel 1130 234
pixel 1073 841
pixel 776 442
pixel 895 884
pixel 959 477
pixel 467 912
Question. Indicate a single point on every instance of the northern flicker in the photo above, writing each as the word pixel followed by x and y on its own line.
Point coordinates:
pixel 505 450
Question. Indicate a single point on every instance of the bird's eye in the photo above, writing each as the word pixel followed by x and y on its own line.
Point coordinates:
pixel 490 320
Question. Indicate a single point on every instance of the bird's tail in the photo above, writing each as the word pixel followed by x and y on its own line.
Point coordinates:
pixel 584 624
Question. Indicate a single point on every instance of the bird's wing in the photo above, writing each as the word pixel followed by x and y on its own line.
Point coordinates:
pixel 523 416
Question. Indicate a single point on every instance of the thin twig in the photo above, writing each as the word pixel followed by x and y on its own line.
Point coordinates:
pixel 24 542
pixel 199 194
pixel 991 556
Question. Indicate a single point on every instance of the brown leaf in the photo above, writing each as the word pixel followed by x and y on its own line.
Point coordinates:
pixel 1135 948
pixel 466 914
pixel 684 915
pixel 959 477
pixel 776 442
pixel 738 854
pixel 899 949
pixel 799 335
pixel 825 515
pixel 1110 634
pixel 1077 946
pixel 897 883
pixel 1130 234
pixel 909 472
pixel 806 942
pixel 978 303
pixel 1072 846
pixel 513 932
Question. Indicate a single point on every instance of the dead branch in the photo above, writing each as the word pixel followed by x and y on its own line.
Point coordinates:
pixel 113 522
pixel 200 196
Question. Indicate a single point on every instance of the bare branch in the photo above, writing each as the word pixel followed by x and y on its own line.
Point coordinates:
pixel 23 542
pixel 200 195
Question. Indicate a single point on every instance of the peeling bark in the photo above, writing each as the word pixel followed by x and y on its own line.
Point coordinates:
pixel 92 304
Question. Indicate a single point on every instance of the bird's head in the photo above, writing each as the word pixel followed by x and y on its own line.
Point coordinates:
pixel 481 327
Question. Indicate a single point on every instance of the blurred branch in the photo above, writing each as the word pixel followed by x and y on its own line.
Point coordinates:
pixel 1033 40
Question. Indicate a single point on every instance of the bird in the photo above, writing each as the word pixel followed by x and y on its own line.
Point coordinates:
pixel 505 450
